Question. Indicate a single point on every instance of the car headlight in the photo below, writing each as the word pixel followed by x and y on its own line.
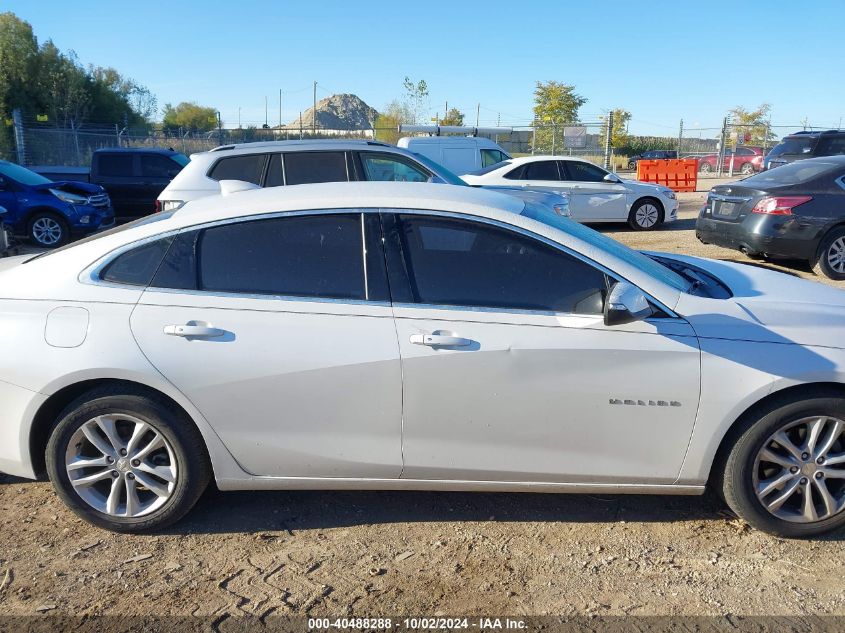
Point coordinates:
pixel 85 219
pixel 68 197
pixel 171 205
pixel 668 193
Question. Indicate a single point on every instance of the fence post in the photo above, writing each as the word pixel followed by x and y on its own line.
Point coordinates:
pixel 680 136
pixel 219 128
pixel 20 143
pixel 608 140
pixel 117 133
pixel 75 141
pixel 721 157
pixel 554 137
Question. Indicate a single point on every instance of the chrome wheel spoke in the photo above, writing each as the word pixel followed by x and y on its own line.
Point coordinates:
pixel 132 502
pixel 162 472
pixel 113 500
pixel 833 473
pixel 829 439
pixel 154 444
pixel 814 430
pixel 137 433
pixel 87 462
pixel 830 504
pixel 152 484
pixel 90 480
pixel 781 438
pixel 768 486
pixel 97 441
pixel 107 426
pixel 779 500
pixel 785 461
pixel 832 460
pixel 808 508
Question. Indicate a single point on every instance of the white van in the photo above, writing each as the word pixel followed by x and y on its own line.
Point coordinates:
pixel 458 154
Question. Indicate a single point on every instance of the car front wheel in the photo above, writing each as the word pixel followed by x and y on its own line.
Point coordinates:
pixel 785 472
pixel 705 167
pixel 645 215
pixel 746 169
pixel 47 230
pixel 830 261
pixel 127 462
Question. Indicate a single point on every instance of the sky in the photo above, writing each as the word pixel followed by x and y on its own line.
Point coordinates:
pixel 662 61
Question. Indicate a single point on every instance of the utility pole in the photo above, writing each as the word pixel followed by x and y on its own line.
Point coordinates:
pixel 219 127
pixel 680 136
pixel 608 140
pixel 477 113
pixel 266 122
pixel 280 109
pixel 721 153
pixel 314 112
pixel 300 125
pixel 239 117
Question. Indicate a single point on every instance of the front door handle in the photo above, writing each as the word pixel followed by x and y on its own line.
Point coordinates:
pixel 193 331
pixel 440 340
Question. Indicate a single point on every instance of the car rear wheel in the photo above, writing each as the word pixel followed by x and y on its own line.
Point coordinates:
pixel 705 167
pixel 785 472
pixel 645 215
pixel 127 462
pixel 747 168
pixel 47 230
pixel 830 261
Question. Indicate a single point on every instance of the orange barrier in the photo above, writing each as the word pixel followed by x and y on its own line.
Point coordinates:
pixel 677 174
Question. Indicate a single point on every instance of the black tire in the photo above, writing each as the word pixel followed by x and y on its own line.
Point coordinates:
pixel 827 262
pixel 632 164
pixel 193 470
pixel 746 169
pixel 704 167
pixel 645 222
pixel 47 230
pixel 734 470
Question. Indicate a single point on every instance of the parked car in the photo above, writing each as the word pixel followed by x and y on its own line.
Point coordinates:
pixel 49 212
pixel 803 145
pixel 278 163
pixel 596 195
pixel 5 238
pixel 132 176
pixel 747 160
pixel 796 211
pixel 365 329
pixel 458 154
pixel 654 154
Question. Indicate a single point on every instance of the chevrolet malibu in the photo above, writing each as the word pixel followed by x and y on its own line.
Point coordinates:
pixel 413 336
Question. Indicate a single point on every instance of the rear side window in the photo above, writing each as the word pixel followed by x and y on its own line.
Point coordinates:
pixel 492 156
pixel 385 168
pixel 831 146
pixel 582 172
pixel 136 267
pixel 307 256
pixel 791 173
pixel 248 168
pixel 111 165
pixel 541 170
pixel 461 263
pixel 793 145
pixel 309 167
pixel 155 166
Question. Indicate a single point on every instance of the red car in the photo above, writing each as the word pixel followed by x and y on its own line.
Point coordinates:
pixel 747 160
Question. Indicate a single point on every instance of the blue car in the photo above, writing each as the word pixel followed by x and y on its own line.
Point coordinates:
pixel 49 212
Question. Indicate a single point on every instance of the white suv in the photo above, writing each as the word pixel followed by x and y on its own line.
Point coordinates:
pixel 276 163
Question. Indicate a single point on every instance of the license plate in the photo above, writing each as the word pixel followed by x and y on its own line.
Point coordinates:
pixel 725 208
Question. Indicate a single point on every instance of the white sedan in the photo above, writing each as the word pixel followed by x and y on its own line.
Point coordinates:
pixel 596 195
pixel 413 336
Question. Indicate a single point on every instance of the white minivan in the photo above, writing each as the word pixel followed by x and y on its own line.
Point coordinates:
pixel 458 154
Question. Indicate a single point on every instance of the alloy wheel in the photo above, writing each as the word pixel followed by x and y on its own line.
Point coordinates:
pixel 121 466
pixel 836 255
pixel 799 472
pixel 647 216
pixel 47 231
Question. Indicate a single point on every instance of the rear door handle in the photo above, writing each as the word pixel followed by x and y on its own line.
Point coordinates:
pixel 193 331
pixel 440 340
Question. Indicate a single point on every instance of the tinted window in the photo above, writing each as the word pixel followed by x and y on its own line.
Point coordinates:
pixel 248 168
pixel 513 174
pixel 791 173
pixel 307 256
pixel 492 156
pixel 305 167
pixel 582 172
pixel 115 164
pixel 22 174
pixel 455 262
pixel 389 168
pixel 793 145
pixel 541 170
pixel 155 166
pixel 832 145
pixel 490 168
pixel 136 267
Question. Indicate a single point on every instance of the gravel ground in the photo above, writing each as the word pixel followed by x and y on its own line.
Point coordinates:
pixel 369 553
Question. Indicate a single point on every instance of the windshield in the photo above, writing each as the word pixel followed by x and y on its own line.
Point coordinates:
pixel 22 175
pixel 790 174
pixel 793 145
pixel 490 168
pixel 607 244
pixel 440 171
pixel 181 159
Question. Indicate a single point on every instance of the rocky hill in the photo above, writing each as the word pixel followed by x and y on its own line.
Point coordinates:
pixel 338 112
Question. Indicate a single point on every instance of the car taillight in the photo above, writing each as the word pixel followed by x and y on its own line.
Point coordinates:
pixel 779 205
pixel 158 206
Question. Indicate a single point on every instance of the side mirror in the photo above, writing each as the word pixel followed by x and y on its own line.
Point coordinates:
pixel 625 304
pixel 612 178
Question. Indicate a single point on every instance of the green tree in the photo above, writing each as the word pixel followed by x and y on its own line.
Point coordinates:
pixel 387 122
pixel 18 64
pixel 556 104
pixel 65 89
pixel 619 130
pixel 416 97
pixel 754 122
pixel 453 117
pixel 190 116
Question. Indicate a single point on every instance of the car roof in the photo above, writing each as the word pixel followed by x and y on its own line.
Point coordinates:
pixel 350 195
pixel 298 145
pixel 806 133
pixel 136 150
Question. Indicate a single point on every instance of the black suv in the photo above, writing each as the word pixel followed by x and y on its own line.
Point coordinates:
pixel 805 145
pixel 654 154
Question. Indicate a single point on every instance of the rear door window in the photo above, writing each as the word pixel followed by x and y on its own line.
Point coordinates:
pixel 831 146
pixel 115 165
pixel 385 168
pixel 249 168
pixel 156 166
pixel 310 167
pixel 578 171
pixel 541 170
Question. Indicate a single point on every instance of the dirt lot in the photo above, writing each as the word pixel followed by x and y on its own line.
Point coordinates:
pixel 420 553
